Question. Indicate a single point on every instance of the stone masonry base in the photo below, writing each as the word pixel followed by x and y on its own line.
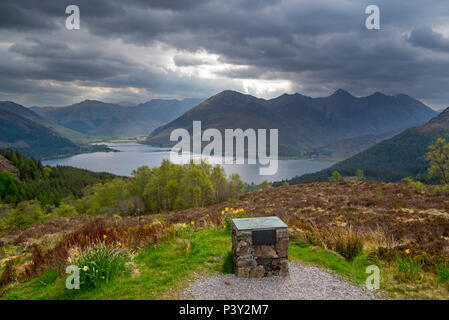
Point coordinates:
pixel 256 261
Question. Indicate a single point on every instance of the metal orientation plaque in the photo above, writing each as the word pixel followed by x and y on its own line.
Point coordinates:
pixel 264 237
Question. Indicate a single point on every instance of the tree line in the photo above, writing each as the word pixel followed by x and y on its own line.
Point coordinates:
pixel 47 185
pixel 41 192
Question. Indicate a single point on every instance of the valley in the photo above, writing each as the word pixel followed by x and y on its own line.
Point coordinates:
pixel 132 155
pixel 136 203
pixel 223 152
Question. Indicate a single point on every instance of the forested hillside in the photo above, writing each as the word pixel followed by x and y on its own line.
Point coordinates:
pixel 394 159
pixel 30 180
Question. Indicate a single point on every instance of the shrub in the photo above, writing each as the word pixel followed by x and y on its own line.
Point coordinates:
pixel 229 214
pixel 9 273
pixel 100 264
pixel 359 174
pixel 438 156
pixel 65 210
pixel 24 215
pixel 408 268
pixel 344 241
pixel 441 190
pixel 265 185
pixel 314 236
pixel 336 176
pixel 418 186
pixel 130 232
pixel 348 243
pixel 443 271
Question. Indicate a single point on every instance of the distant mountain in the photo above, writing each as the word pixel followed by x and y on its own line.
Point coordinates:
pixel 20 110
pixel 32 138
pixel 393 159
pixel 113 120
pixel 336 126
pixel 126 104
pixel 22 129
pixel 30 114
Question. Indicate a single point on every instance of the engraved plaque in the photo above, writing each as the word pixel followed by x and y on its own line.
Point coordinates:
pixel 264 237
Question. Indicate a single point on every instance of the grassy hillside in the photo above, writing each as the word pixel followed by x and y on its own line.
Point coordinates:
pixel 163 271
pixel 397 225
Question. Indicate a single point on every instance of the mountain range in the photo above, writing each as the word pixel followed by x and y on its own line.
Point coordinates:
pixel 61 131
pixel 336 126
pixel 393 159
pixel 96 118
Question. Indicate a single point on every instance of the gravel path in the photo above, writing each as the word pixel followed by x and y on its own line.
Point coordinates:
pixel 304 282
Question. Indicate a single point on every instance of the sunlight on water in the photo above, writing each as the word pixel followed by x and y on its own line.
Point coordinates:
pixel 133 155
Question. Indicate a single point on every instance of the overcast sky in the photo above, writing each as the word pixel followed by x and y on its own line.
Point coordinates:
pixel 196 48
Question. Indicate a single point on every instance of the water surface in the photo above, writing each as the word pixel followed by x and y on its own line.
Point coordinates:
pixel 133 155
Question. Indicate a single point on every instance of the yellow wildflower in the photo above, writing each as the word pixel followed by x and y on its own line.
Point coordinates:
pixel 119 244
pixel 222 212
pixel 105 236
pixel 227 209
pixel 69 260
pixel 192 223
pixel 407 251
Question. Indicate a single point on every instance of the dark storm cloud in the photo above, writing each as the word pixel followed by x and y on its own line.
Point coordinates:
pixel 90 67
pixel 57 61
pixel 48 15
pixel 317 45
pixel 429 39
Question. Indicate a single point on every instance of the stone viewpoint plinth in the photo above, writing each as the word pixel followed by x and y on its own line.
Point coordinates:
pixel 260 247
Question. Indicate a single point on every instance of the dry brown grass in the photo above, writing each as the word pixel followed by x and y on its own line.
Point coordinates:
pixel 386 217
pixel 129 232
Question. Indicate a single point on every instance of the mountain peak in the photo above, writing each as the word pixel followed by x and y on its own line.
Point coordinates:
pixel 90 101
pixel 230 97
pixel 401 95
pixel 341 93
pixel 228 94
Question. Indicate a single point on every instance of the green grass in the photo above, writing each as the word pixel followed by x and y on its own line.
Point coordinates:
pixel 165 269
pixel 443 272
pixel 352 270
pixel 408 269
pixel 161 268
